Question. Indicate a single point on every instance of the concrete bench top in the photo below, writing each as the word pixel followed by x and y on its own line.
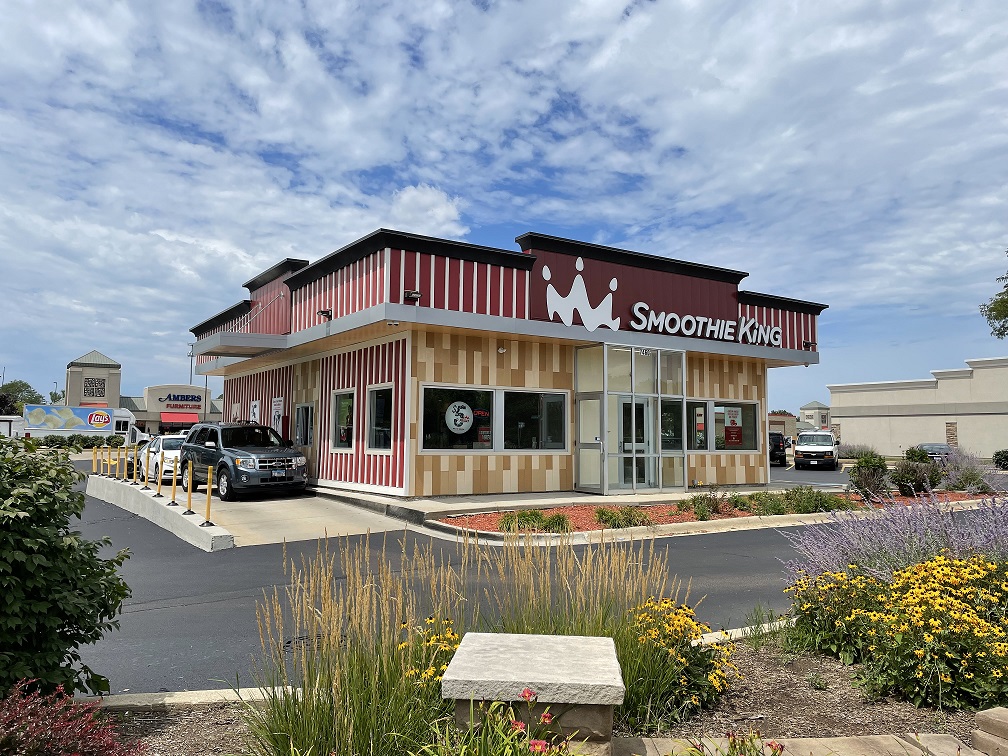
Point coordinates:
pixel 559 668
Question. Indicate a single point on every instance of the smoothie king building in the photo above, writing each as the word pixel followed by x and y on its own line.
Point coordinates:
pixel 414 366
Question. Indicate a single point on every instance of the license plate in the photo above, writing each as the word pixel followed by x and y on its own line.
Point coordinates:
pixel 814 462
pixel 279 473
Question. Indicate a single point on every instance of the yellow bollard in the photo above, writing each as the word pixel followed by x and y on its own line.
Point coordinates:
pixel 174 479
pixel 209 490
pixel 136 465
pixel 121 462
pixel 108 469
pixel 146 487
pixel 160 476
pixel 188 510
pixel 104 458
pixel 94 460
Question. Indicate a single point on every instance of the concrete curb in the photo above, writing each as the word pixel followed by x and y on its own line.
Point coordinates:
pixel 142 503
pixel 150 701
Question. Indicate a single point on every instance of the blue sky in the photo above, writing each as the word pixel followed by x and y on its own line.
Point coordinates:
pixel 154 156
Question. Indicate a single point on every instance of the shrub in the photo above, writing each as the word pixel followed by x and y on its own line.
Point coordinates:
pixel 806 500
pixel 1000 459
pixel 58 593
pixel 77 440
pixel 916 454
pixel 115 440
pixel 739 502
pixel 934 633
pixel 870 476
pixel 54 441
pixel 766 503
pixel 522 520
pixel 557 523
pixel 856 451
pixel 896 537
pixel 701 507
pixel 622 517
pixel 35 724
pixel 912 478
pixel 964 471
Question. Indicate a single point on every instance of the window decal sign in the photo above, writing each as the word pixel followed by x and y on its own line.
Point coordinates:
pixel 733 426
pixel 459 417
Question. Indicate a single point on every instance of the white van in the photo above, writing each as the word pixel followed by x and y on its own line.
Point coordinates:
pixel 817 449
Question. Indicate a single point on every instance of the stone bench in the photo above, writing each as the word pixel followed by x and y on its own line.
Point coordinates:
pixel 577 677
pixel 991 734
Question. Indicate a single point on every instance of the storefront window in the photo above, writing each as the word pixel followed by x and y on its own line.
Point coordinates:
pixel 343 420
pixel 380 418
pixel 645 367
pixel 533 420
pixel 671 425
pixel 671 373
pixel 619 368
pixel 458 419
pixel 304 421
pixel 696 420
pixel 735 427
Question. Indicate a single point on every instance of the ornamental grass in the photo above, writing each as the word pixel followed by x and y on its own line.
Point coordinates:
pixel 354 650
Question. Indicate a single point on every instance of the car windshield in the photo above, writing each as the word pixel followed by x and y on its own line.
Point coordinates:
pixel 815 439
pixel 250 436
pixel 172 444
pixel 935 447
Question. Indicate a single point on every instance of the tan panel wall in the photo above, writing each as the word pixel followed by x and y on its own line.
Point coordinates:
pixel 715 377
pixel 306 391
pixel 460 359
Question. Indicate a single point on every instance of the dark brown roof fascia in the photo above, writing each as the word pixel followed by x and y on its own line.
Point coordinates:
pixel 232 312
pixel 533 241
pixel 387 239
pixel 290 264
pixel 781 303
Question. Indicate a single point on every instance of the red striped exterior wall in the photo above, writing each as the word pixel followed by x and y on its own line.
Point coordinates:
pixel 357 370
pixel 796 327
pixel 350 289
pixel 262 386
pixel 446 283
pixel 275 317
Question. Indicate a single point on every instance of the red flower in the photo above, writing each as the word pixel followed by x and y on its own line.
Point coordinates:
pixel 775 748
pixel 545 718
pixel 538 746
pixel 516 725
pixel 528 694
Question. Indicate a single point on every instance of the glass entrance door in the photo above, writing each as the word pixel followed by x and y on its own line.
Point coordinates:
pixel 590 451
pixel 637 460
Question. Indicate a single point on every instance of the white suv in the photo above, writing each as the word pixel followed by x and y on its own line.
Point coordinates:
pixel 817 449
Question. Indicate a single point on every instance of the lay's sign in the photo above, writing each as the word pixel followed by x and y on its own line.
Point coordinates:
pixel 56 417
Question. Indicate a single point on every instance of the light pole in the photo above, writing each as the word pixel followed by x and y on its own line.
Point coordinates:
pixel 55 391
pixel 190 362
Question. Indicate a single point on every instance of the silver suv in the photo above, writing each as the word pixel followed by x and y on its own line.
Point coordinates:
pixel 245 456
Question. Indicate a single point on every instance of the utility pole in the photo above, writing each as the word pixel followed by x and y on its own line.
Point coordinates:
pixel 190 362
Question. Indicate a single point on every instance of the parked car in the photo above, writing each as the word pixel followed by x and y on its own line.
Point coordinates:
pixel 778 448
pixel 937 452
pixel 817 449
pixel 171 445
pixel 244 456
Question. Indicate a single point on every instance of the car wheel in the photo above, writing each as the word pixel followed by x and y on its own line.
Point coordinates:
pixel 187 484
pixel 224 487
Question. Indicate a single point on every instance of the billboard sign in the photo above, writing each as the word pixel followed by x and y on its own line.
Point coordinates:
pixel 78 419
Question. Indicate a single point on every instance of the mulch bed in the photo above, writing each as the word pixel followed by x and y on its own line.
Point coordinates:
pixel 582 516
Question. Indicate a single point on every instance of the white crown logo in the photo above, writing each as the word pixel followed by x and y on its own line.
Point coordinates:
pixel 577 301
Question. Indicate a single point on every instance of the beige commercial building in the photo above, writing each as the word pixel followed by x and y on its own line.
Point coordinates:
pixel 966 407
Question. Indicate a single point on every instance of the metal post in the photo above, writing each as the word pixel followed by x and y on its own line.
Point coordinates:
pixel 160 476
pixel 146 469
pixel 209 490
pixel 136 464
pixel 174 480
pixel 188 510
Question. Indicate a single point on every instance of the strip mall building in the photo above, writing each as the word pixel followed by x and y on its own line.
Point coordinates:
pixel 415 366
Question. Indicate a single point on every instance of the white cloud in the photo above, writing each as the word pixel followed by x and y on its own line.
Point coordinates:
pixel 153 157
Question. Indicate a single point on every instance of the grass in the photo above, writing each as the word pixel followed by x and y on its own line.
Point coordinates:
pixel 354 648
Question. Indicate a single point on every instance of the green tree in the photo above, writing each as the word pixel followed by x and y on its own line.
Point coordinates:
pixel 57 397
pixel 7 405
pixel 22 393
pixel 58 594
pixel 781 412
pixel 996 309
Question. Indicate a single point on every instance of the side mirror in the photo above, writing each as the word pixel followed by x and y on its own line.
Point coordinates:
pixel 288 443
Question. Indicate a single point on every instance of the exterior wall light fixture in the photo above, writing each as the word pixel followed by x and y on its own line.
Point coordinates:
pixel 412 295
pixel 808 345
pixel 327 314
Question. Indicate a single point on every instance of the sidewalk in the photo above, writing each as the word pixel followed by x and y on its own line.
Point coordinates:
pixel 908 744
